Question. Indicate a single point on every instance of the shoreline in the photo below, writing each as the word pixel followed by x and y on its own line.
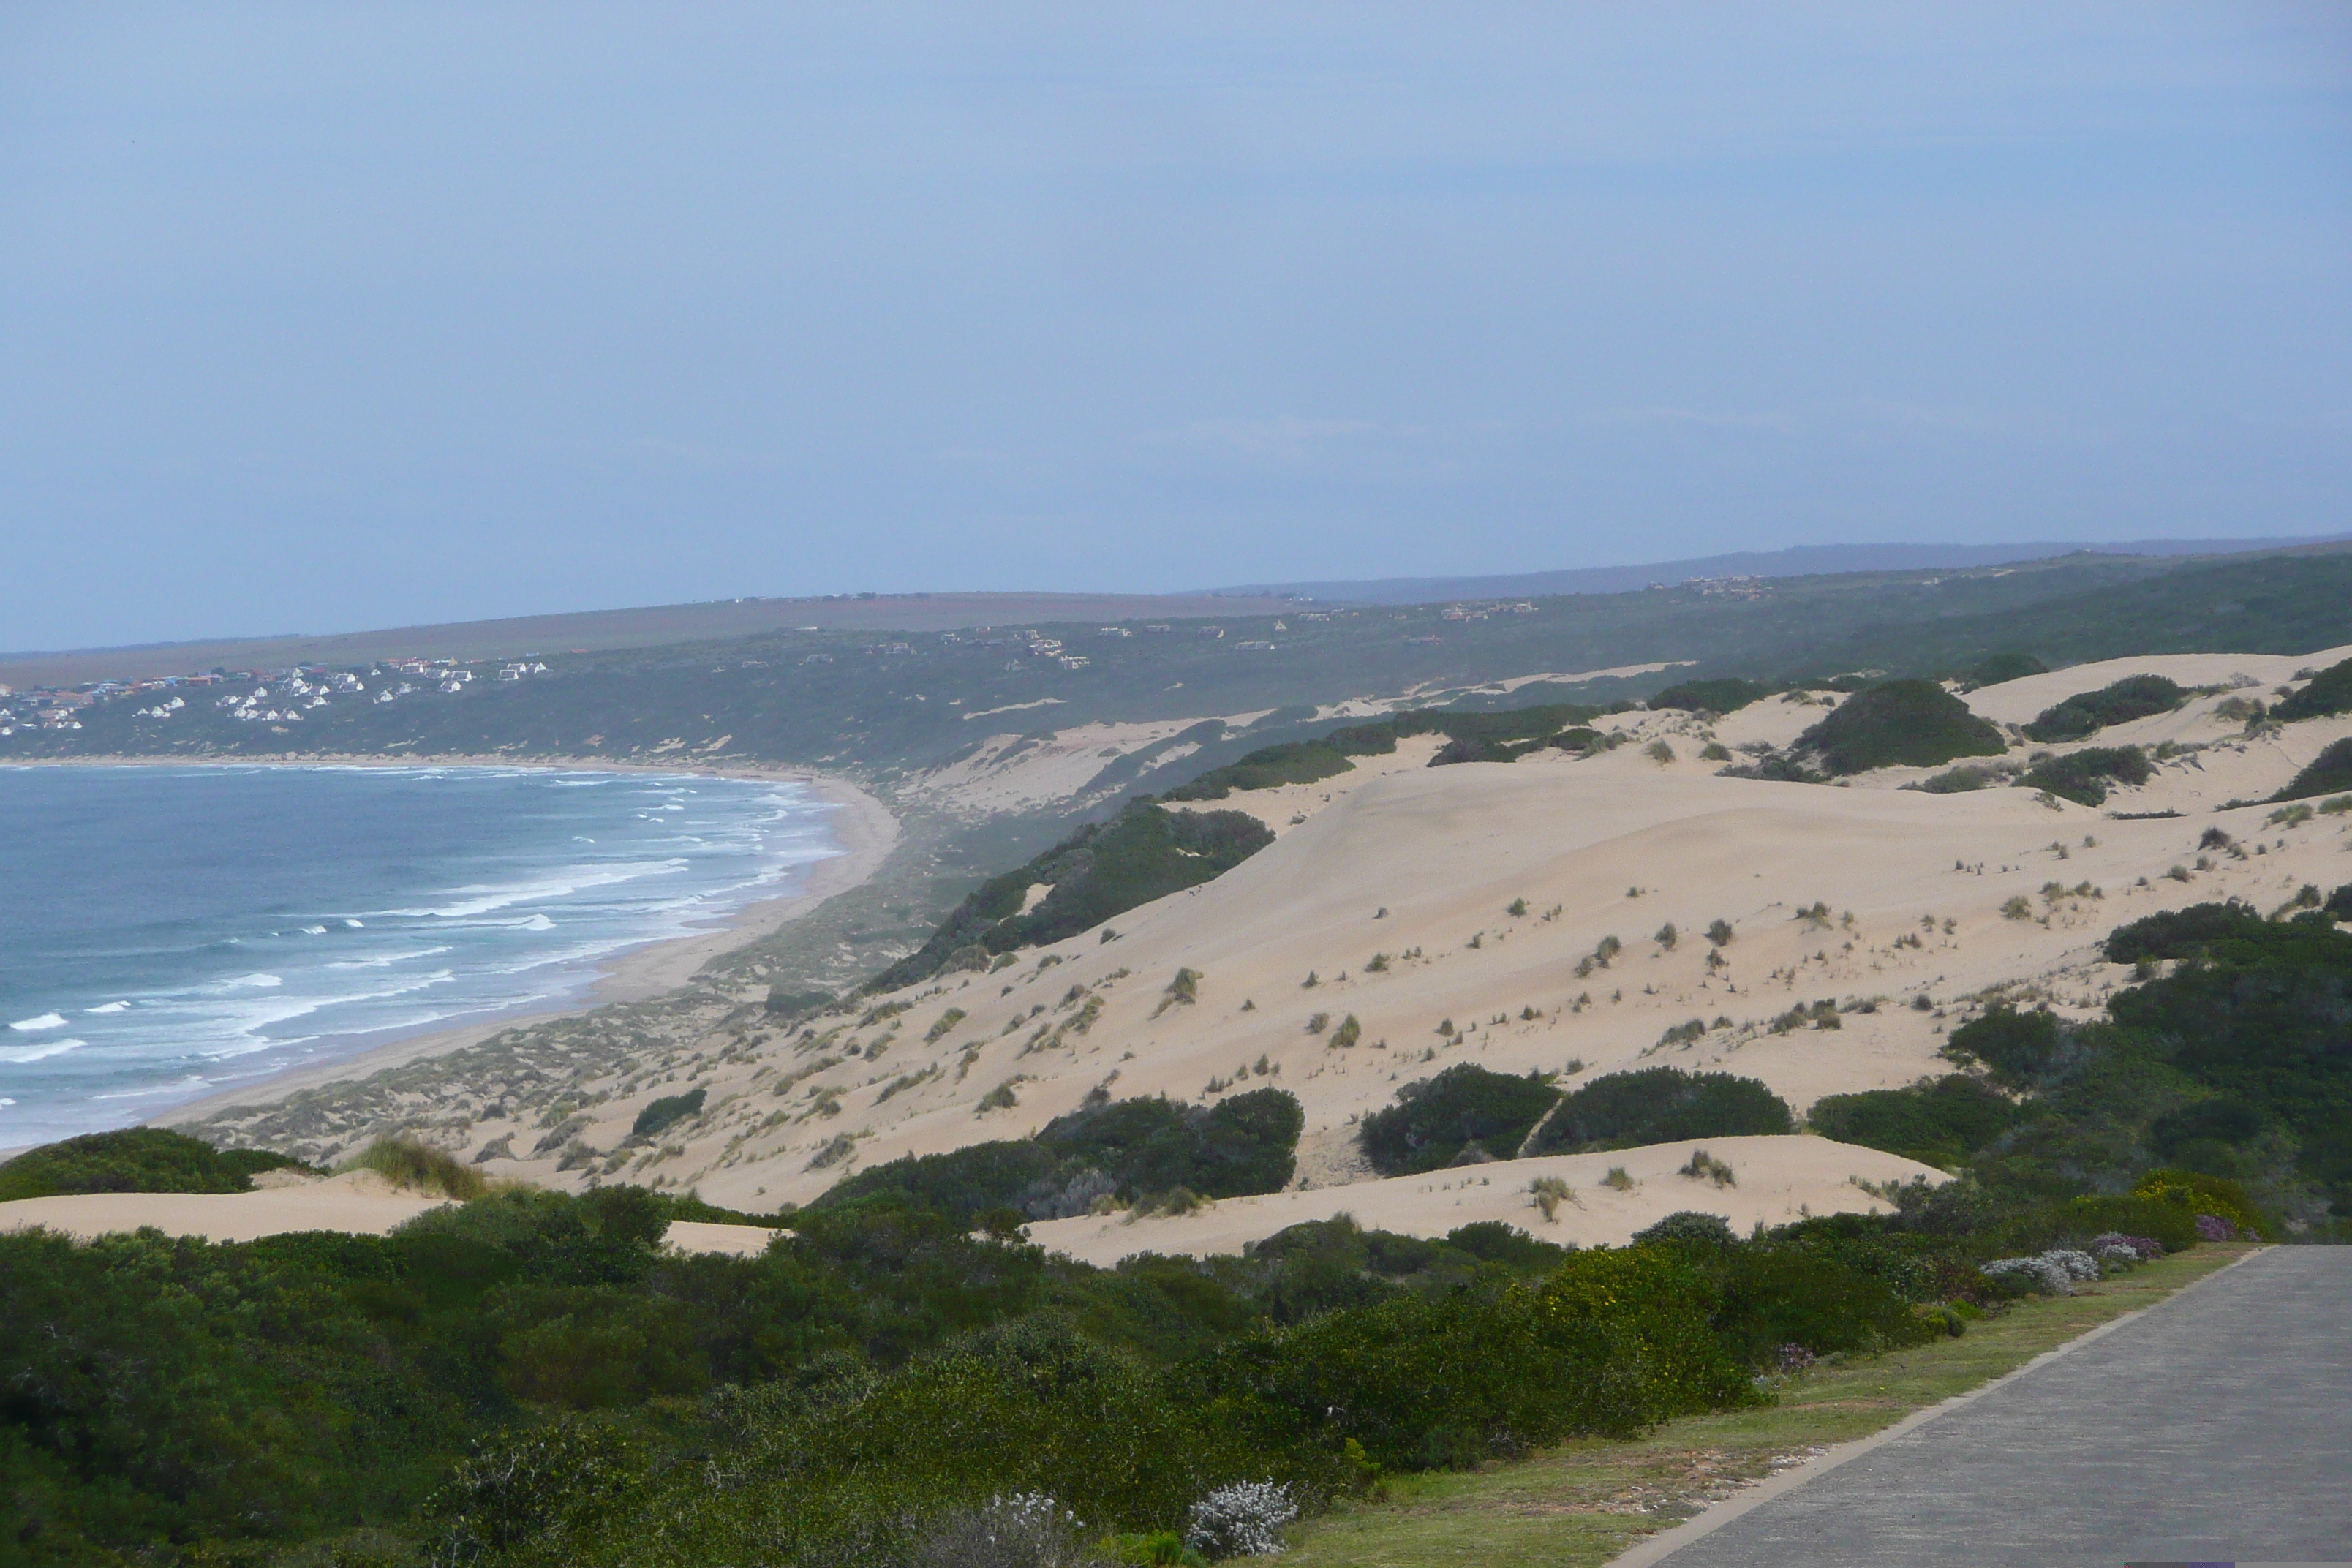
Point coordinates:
pixel 865 830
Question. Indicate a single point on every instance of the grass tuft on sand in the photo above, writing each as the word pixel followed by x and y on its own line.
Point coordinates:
pixel 405 1162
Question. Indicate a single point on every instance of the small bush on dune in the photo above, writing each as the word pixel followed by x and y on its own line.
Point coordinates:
pixel 2329 693
pixel 1242 1145
pixel 963 1184
pixel 2018 1047
pixel 1899 723
pixel 2083 776
pixel 1688 1228
pixel 667 1112
pixel 2088 713
pixel 135 1160
pixel 1727 696
pixel 405 1162
pixel 1937 1123
pixel 1660 1105
pixel 2329 771
pixel 1435 1121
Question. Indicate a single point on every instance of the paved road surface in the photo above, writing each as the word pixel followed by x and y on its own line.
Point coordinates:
pixel 2215 1428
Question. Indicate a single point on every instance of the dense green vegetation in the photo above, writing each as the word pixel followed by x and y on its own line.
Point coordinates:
pixel 136 1160
pixel 1105 869
pixel 1899 723
pixel 1464 1111
pixel 1939 1121
pixel 2083 776
pixel 1726 695
pixel 1243 1144
pixel 1473 735
pixel 2329 693
pixel 2087 712
pixel 2234 1066
pixel 2006 667
pixel 1659 1104
pixel 1134 1151
pixel 527 1379
pixel 2327 773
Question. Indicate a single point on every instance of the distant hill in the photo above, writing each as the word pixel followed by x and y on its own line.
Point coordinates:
pixel 1799 561
pixel 599 631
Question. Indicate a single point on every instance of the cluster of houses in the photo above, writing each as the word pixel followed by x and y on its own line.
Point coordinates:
pixel 1479 612
pixel 274 697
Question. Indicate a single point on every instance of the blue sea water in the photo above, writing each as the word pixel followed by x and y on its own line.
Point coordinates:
pixel 166 932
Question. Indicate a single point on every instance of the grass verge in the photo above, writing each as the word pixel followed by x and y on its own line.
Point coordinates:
pixel 1585 1503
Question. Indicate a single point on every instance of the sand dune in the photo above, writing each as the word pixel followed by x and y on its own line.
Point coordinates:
pixel 1395 888
pixel 1778 1180
pixel 358 1203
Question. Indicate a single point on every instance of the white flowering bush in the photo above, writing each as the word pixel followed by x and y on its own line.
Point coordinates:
pixel 2037 1274
pixel 1241 1519
pixel 1023 1529
pixel 2052 1273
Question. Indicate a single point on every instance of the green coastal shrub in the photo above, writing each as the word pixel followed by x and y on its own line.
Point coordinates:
pixel 2083 776
pixel 135 1160
pixel 1660 1105
pixel 1245 1144
pixel 2006 667
pixel 1899 723
pixel 1268 767
pixel 1723 696
pixel 667 1112
pixel 1433 1122
pixel 1939 1121
pixel 2196 931
pixel 966 1182
pixel 2329 771
pixel 1613 1342
pixel 2088 713
pixel 1773 1296
pixel 2329 693
pixel 1103 870
pixel 2018 1048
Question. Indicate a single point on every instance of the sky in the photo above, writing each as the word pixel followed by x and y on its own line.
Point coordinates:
pixel 316 318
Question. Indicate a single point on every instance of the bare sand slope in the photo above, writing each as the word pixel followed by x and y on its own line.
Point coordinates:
pixel 1778 1180
pixel 2017 702
pixel 358 1203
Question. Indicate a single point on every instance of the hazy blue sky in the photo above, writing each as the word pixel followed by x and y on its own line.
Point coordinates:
pixel 325 316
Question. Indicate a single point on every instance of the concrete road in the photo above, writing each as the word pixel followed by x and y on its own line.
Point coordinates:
pixel 2215 1428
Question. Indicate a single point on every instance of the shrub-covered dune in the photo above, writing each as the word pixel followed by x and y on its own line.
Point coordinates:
pixel 1899 723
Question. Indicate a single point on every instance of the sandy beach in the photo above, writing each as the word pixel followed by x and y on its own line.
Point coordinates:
pixel 862 826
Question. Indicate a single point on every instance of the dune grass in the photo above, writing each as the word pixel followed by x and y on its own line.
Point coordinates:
pixel 1585 1503
pixel 405 1162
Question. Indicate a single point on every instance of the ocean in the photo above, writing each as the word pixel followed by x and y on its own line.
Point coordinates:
pixel 168 933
